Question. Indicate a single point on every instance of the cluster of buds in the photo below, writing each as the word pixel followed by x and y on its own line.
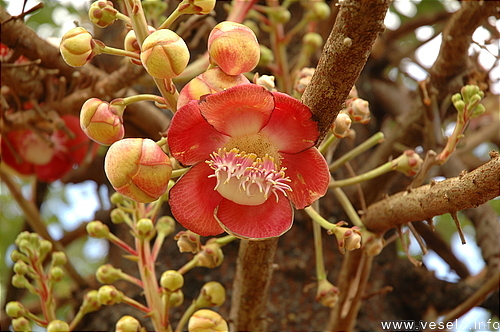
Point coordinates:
pixel 467 102
pixel 348 238
pixel 28 266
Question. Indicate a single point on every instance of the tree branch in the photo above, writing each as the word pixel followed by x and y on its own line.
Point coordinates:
pixel 451 195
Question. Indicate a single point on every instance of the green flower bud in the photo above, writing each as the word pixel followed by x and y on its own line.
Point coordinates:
pixel 77 47
pixel 20 267
pixel 233 47
pixel 56 274
pixel 319 11
pixel 90 302
pixel 45 247
pixel 281 15
pixel 128 324
pixel 107 274
pixel 117 198
pixel 59 258
pixel 456 97
pixel 21 324
pixel 211 255
pixel 171 280
pixel 205 320
pixel 109 295
pixel 102 13
pixel 459 105
pixel 165 225
pixel 145 229
pixel 164 54
pixel 408 163
pixel 57 326
pixel 176 298
pixel 15 309
pixel 477 111
pixel 470 90
pixel 188 241
pixel 118 216
pixel 327 294
pixel 212 294
pixel 16 255
pixel 97 229
pixel 313 40
pixel 266 56
pixel 138 168
pixel 101 121
pixel 19 281
pixel 199 7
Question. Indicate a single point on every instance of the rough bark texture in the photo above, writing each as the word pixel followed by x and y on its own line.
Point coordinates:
pixel 344 55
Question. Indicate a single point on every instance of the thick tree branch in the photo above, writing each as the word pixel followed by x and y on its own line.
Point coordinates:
pixel 451 195
pixel 345 53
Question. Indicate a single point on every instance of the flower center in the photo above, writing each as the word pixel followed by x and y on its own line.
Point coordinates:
pixel 245 178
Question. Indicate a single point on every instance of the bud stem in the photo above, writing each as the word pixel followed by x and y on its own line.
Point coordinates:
pixel 120 243
pixel 384 168
pixel 175 14
pixel 117 51
pixel 124 18
pixel 366 145
pixel 318 246
pixel 136 98
pixel 318 219
pixel 348 208
pixel 185 316
pixel 329 140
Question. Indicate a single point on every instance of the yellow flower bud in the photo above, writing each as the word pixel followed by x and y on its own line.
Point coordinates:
pixel 233 47
pixel 327 294
pixel 212 294
pixel 138 168
pixel 97 229
pixel 102 13
pixel 199 7
pixel 76 47
pixel 164 54
pixel 15 309
pixel 171 280
pixel 57 326
pixel 109 295
pixel 21 324
pixel 101 121
pixel 206 320
pixel 128 324
pixel 130 44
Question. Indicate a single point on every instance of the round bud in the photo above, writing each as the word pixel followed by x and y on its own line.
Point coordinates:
pixel 205 320
pixel 109 295
pixel 20 267
pixel 128 324
pixel 97 229
pixel 15 309
pixel 212 294
pixel 171 280
pixel 57 326
pixel 56 274
pixel 76 47
pixel 59 258
pixel 199 7
pixel 102 122
pixel 21 324
pixel 145 229
pixel 102 13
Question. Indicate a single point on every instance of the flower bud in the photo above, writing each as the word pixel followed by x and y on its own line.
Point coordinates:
pixel 21 324
pixel 59 258
pixel 342 125
pixel 372 243
pixel 327 294
pixel 313 40
pixel 56 274
pixel 199 7
pixel 117 198
pixel 211 255
pixel 130 43
pixel 304 78
pixel 265 81
pixel 281 15
pixel 145 230
pixel 171 280
pixel 188 241
pixel 408 163
pixel 164 54
pixel 211 81
pixel 107 274
pixel 117 216
pixel 205 320
pixel 102 13
pixel 138 168
pixel 212 294
pixel 77 47
pixel 459 105
pixel 477 111
pixel 348 238
pixel 102 122
pixel 57 326
pixel 15 309
pixel 266 56
pixel 45 247
pixel 109 295
pixel 19 281
pixel 468 91
pixel 128 324
pixel 176 298
pixel 97 229
pixel 233 47
pixel 358 110
pixel 16 255
pixel 90 302
pixel 165 225
pixel 20 267
pixel 319 11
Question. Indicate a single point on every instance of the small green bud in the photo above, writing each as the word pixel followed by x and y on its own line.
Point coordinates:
pixel 90 302
pixel 171 280
pixel 211 255
pixel 56 274
pixel 212 294
pixel 20 267
pixel 21 324
pixel 97 229
pixel 15 309
pixel 117 198
pixel 319 11
pixel 477 111
pixel 327 294
pixel 456 97
pixel 474 101
pixel 145 229
pixel 118 216
pixel 313 40
pixel 107 274
pixel 266 56
pixel 57 326
pixel 16 255
pixel 45 248
pixel 109 295
pixel 470 90
pixel 459 105
pixel 19 281
pixel 205 320
pixel 165 225
pixel 128 324
pixel 281 15
pixel 176 298
pixel 59 258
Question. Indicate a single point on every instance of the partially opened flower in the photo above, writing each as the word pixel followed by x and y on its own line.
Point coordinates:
pixel 253 155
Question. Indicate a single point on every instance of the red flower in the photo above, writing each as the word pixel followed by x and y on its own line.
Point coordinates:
pixel 253 155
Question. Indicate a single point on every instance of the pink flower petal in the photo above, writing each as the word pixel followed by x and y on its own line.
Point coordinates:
pixel 270 219
pixel 193 201
pixel 291 128
pixel 191 138
pixel 241 110
pixel 310 176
